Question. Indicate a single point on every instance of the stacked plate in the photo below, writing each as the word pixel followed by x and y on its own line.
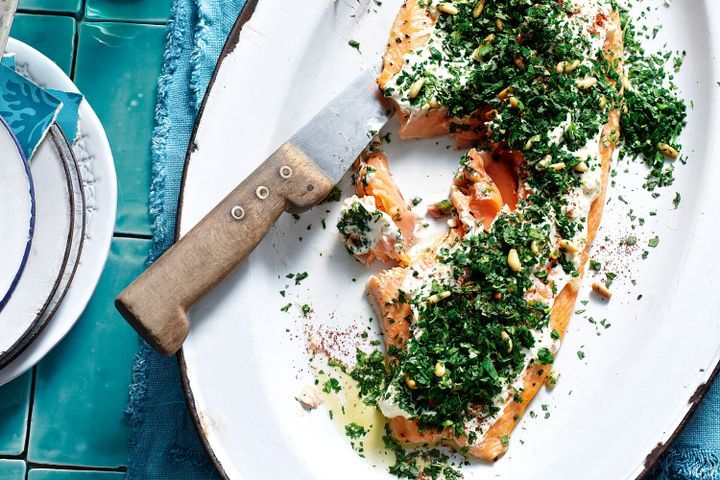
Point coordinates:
pixel 56 217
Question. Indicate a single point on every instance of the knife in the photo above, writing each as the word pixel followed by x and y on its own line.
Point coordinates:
pixel 7 15
pixel 297 176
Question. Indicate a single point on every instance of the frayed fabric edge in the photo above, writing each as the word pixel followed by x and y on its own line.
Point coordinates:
pixel 687 463
pixel 202 33
pixel 163 233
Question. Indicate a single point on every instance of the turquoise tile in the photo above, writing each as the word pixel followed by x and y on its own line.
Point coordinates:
pixel 12 469
pixel 128 10
pixel 65 6
pixel 53 35
pixel 117 69
pixel 81 387
pixel 47 474
pixel 14 403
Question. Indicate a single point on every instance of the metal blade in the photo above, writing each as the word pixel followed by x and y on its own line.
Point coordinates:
pixel 343 128
pixel 7 15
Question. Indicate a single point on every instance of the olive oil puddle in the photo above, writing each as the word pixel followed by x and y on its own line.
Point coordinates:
pixel 345 407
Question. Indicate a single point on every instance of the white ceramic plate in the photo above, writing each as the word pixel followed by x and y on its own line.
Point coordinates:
pixel 17 213
pixel 94 158
pixel 50 252
pixel 612 413
pixel 77 243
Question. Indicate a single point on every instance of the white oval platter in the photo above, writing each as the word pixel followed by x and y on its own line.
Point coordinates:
pixel 17 213
pixel 245 360
pixel 94 158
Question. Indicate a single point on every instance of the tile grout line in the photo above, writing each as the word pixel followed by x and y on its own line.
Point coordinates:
pixel 135 236
pixel 150 23
pixel 49 13
pixel 74 468
pixel 60 466
pixel 31 408
pixel 76 42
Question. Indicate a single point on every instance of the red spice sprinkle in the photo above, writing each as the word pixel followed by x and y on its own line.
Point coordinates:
pixel 600 20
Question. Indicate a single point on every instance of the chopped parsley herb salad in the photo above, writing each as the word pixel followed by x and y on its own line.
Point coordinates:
pixel 539 96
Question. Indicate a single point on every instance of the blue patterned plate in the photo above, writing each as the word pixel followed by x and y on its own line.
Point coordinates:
pixel 17 212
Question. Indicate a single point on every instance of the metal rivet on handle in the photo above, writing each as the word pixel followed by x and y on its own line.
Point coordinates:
pixel 237 212
pixel 262 192
pixel 286 172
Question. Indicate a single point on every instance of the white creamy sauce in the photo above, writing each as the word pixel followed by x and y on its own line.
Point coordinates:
pixel 555 135
pixel 388 404
pixel 418 281
pixel 580 199
pixel 362 239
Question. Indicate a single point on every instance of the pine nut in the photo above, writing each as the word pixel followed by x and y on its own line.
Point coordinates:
pixel 586 83
pixel 448 8
pixel 667 150
pixel 545 162
pixel 552 379
pixel 569 67
pixel 476 54
pixel 581 167
pixel 602 290
pixel 506 92
pixel 506 338
pixel 568 246
pixel 534 248
pixel 435 298
pixel 479 6
pixel 416 87
pixel 513 260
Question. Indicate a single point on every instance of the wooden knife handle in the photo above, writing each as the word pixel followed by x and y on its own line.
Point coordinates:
pixel 156 303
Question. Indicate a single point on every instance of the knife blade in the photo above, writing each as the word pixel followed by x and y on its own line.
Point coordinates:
pixel 297 176
pixel 356 114
pixel 8 8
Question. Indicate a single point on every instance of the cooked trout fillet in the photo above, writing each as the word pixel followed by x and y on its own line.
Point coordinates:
pixel 484 186
pixel 377 223
pixel 411 31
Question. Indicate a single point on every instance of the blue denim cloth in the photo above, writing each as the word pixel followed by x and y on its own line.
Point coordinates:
pixel 163 441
